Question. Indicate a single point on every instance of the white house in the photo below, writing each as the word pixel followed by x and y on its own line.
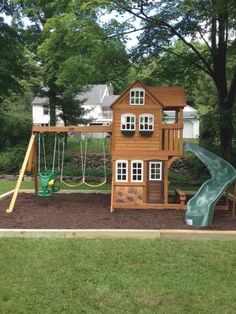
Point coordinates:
pixel 96 103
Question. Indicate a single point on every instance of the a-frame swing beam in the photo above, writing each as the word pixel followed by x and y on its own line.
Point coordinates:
pixel 22 172
pixel 72 129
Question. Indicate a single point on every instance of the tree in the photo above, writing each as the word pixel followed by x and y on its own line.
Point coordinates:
pixel 190 21
pixel 72 52
pixel 12 52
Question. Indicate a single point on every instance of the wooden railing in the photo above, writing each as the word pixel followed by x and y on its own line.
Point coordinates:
pixel 172 138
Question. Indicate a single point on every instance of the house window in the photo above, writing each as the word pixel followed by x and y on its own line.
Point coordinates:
pixel 137 96
pixel 137 171
pixel 146 122
pixel 121 170
pixel 45 109
pixel 128 122
pixel 155 171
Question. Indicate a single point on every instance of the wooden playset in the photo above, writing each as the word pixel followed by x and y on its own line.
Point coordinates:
pixel 143 147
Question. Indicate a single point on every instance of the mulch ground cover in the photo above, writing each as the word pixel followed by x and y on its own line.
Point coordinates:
pixel 91 211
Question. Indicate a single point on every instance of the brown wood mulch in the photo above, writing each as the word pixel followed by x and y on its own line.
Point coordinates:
pixel 91 211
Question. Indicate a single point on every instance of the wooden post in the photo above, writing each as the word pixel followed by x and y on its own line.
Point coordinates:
pixel 234 200
pixel 22 172
pixel 166 182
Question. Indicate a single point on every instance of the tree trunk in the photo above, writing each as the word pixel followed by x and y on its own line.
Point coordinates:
pixel 226 131
pixel 52 105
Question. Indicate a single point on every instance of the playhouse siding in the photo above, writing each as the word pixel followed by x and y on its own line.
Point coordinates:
pixel 133 146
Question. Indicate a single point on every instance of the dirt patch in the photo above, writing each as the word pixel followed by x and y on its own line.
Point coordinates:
pixel 91 211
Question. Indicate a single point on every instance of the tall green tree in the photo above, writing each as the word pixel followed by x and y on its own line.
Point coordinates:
pixel 74 50
pixel 210 21
pixel 11 54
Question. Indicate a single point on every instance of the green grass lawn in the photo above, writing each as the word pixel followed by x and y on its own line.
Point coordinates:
pixel 7 185
pixel 117 276
pixel 94 145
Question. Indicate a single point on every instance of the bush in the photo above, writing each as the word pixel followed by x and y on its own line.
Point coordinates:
pixel 15 131
pixel 12 159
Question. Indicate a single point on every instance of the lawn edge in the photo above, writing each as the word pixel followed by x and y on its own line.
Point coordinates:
pixel 121 233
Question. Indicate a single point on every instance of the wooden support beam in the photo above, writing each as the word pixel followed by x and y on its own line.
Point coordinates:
pixel 166 182
pixel 148 206
pixel 234 200
pixel 21 175
pixel 72 129
pixel 2 196
pixel 35 168
pixel 181 196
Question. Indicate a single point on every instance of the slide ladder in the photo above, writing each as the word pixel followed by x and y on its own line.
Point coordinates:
pixel 200 208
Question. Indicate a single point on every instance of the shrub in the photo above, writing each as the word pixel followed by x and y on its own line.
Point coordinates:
pixel 11 159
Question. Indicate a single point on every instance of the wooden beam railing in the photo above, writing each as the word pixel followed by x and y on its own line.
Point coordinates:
pixel 71 129
pixel 172 138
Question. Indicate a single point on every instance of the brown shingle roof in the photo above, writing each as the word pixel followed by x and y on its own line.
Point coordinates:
pixel 169 96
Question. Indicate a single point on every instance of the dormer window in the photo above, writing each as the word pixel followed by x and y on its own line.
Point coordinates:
pixel 137 96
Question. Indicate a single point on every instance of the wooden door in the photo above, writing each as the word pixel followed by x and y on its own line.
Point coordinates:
pixel 155 186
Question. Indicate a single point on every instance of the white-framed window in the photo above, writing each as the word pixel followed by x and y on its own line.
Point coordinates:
pixel 146 122
pixel 137 96
pixel 45 109
pixel 121 170
pixel 169 116
pixel 128 121
pixel 155 171
pixel 136 171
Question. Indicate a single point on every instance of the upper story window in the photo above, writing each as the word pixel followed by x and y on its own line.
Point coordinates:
pixel 122 170
pixel 137 96
pixel 128 121
pixel 45 109
pixel 146 122
pixel 169 116
pixel 137 171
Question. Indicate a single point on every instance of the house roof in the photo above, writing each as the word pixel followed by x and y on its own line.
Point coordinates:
pixel 40 101
pixel 108 100
pixel 93 95
pixel 169 96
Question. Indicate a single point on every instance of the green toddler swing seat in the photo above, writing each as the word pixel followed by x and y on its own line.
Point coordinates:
pixel 48 183
pixel 48 179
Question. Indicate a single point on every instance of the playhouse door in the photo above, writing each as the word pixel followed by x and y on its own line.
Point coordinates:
pixel 155 188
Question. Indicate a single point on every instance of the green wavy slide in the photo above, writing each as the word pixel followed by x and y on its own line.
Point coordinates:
pixel 200 208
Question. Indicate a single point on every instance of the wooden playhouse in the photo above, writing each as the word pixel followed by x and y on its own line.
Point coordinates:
pixel 144 146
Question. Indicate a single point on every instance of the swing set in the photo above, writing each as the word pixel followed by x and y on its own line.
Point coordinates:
pixel 35 161
pixel 83 156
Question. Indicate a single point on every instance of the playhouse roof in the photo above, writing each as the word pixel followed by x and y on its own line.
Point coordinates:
pixel 169 96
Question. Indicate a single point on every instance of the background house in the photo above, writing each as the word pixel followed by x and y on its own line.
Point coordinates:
pixel 96 103
pixel 40 112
